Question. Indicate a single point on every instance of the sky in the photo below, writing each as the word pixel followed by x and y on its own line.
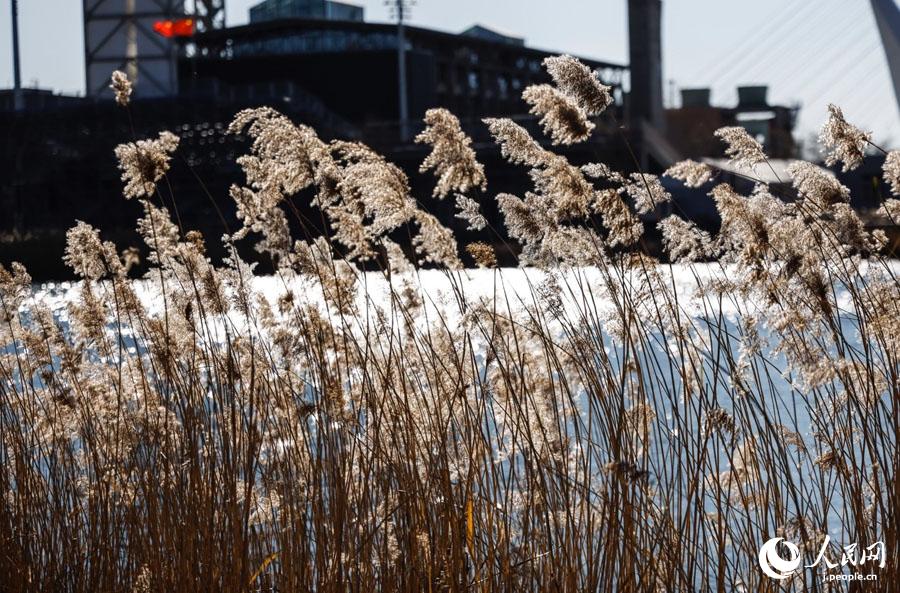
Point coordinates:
pixel 809 52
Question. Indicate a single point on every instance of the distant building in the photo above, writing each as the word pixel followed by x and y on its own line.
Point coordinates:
pixel 37 99
pixel 691 127
pixel 482 32
pixel 271 10
pixel 318 65
pixel 351 66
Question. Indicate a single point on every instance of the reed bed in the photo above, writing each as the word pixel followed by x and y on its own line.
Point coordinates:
pixel 583 423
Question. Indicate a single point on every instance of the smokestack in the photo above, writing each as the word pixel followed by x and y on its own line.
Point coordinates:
pixel 17 74
pixel 645 54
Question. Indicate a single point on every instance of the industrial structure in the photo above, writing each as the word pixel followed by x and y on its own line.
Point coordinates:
pixel 272 10
pixel 289 45
pixel 119 35
pixel 887 15
pixel 470 74
pixel 125 35
pixel 321 63
pixel 645 51
pixel 317 61
pixel 17 102
pixel 208 14
pixel 691 127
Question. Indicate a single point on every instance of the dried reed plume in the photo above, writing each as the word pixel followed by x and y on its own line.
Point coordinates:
pixel 561 117
pixel 452 157
pixel 597 420
pixel 744 150
pixel 121 87
pixel 691 173
pixel 843 143
pixel 143 163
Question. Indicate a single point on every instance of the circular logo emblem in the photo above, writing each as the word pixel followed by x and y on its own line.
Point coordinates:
pixel 771 562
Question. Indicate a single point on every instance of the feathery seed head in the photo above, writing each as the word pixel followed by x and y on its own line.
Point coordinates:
pixel 434 242
pixel 842 141
pixel 691 173
pixel 516 144
pixel 468 210
pixel 483 254
pixel 742 149
pixel 87 255
pixel 816 185
pixel 684 240
pixel 624 227
pixel 143 163
pixel 580 83
pixel 452 157
pixel 121 86
pixel 891 171
pixel 602 171
pixel 646 191
pixel 561 117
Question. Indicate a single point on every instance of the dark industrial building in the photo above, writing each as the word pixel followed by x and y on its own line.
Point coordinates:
pixel 317 61
pixel 474 74
pixel 272 10
pixel 322 64
pixel 691 126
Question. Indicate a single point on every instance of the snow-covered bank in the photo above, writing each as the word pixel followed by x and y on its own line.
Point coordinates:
pixel 443 291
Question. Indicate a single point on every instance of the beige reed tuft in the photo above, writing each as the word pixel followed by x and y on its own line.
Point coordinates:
pixel 597 420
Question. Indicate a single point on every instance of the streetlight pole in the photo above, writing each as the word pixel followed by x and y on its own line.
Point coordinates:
pixel 400 8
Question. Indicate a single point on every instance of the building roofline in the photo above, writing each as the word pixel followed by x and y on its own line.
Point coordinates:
pixel 493 30
pixel 295 24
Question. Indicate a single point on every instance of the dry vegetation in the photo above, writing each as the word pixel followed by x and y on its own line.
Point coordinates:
pixel 596 431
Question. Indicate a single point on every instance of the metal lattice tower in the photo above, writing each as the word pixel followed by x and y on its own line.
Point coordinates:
pixel 119 35
pixel 209 14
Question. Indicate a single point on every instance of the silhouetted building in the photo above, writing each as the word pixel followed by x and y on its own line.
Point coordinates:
pixel 36 99
pixel 691 127
pixel 338 76
pixel 270 10
pixel 351 67
pixel 488 34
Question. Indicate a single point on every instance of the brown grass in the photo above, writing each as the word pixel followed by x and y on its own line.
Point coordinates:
pixel 590 429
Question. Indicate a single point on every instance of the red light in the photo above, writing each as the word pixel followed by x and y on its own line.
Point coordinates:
pixel 176 28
